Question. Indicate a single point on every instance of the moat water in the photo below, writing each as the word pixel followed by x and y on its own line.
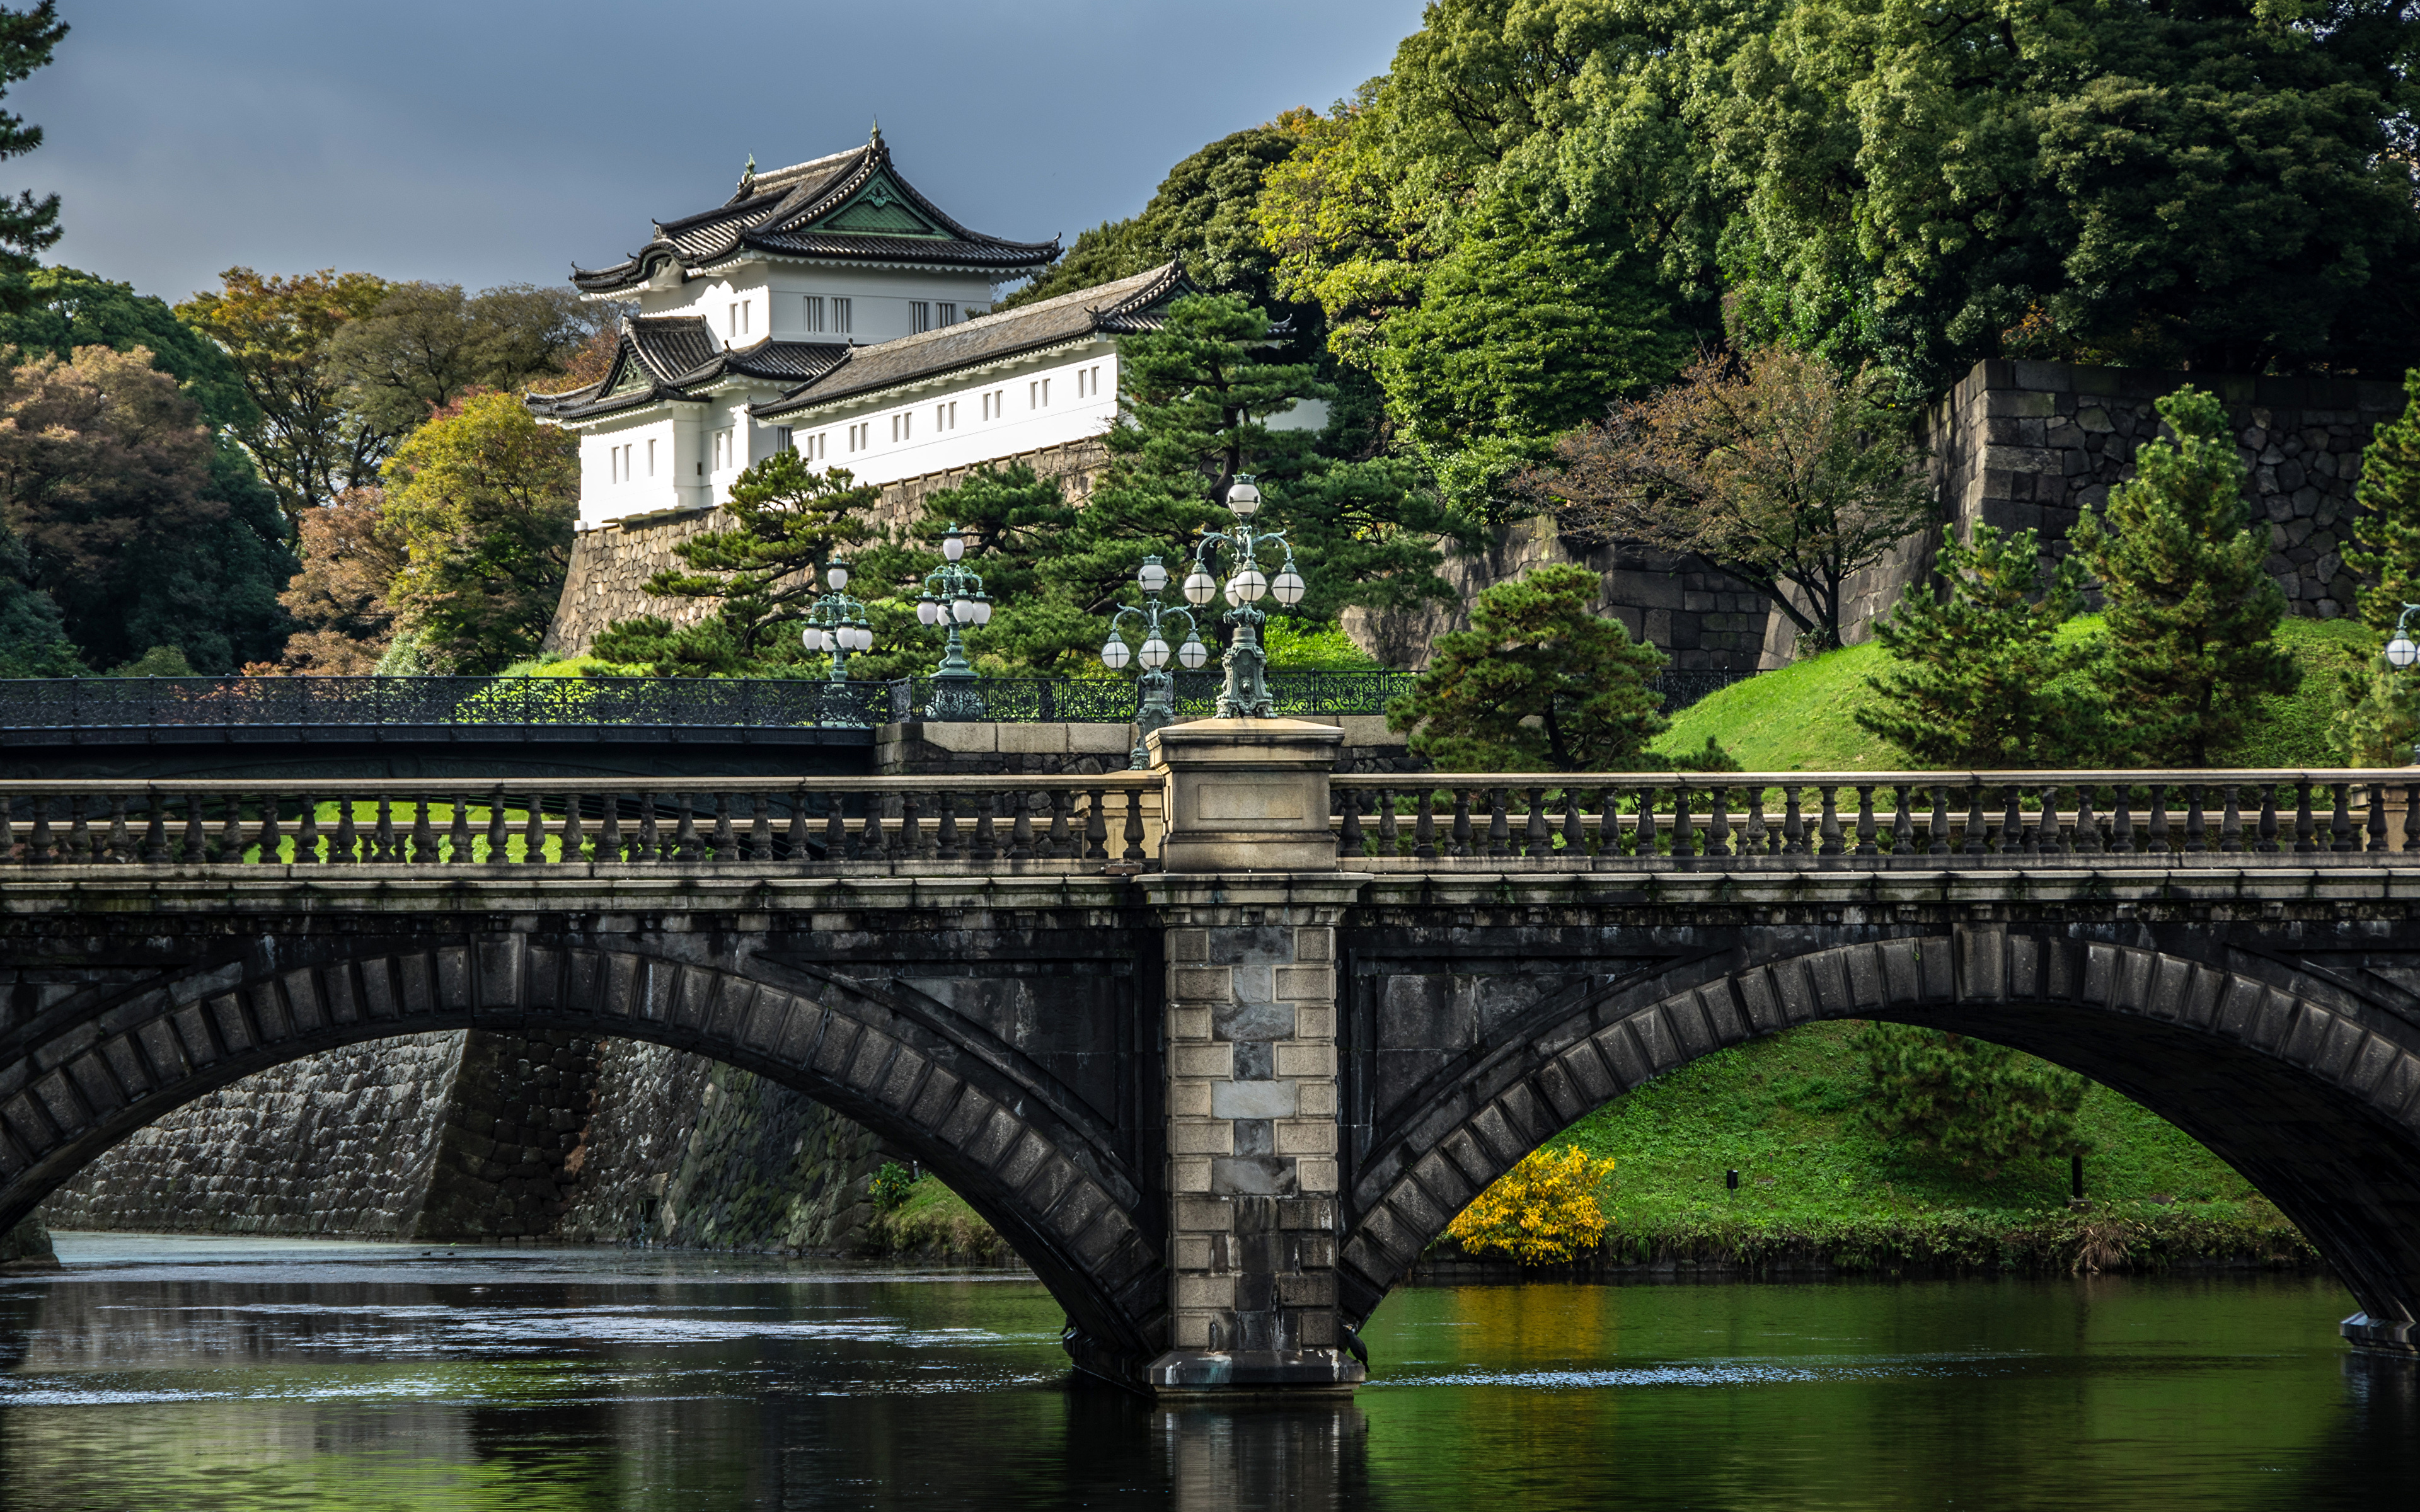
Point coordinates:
pixel 191 1375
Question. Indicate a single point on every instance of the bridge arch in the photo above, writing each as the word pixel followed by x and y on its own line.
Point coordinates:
pixel 1047 1171
pixel 2301 1078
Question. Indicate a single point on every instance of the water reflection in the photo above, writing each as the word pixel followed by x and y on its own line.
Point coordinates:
pixel 216 1375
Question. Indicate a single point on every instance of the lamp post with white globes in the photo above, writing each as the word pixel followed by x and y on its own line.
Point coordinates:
pixel 836 623
pixel 1246 692
pixel 2402 654
pixel 1158 685
pixel 954 596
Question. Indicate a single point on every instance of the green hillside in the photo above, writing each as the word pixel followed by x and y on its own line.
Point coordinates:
pixel 1799 718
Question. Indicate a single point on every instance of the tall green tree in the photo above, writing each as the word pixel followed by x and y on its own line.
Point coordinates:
pixel 71 309
pixel 1013 520
pixel 1980 1103
pixel 482 501
pixel 1979 676
pixel 2377 719
pixel 28 226
pixel 1528 328
pixel 132 521
pixel 759 576
pixel 309 444
pixel 424 345
pixel 2192 609
pixel 1540 682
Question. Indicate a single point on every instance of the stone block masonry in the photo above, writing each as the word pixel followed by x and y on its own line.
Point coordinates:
pixel 611 564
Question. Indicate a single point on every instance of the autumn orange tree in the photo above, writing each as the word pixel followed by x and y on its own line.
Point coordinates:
pixel 1780 469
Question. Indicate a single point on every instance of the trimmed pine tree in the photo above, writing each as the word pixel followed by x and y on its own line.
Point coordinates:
pixel 2191 608
pixel 2380 717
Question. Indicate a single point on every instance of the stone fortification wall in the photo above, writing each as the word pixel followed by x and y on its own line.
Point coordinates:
pixel 2015 445
pixel 497 1136
pixel 344 1142
pixel 611 563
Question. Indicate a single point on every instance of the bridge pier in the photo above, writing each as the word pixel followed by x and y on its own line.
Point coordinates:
pixel 1249 900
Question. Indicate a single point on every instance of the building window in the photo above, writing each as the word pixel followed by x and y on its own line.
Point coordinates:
pixel 920 315
pixel 651 460
pixel 740 317
pixel 945 314
pixel 814 315
pixel 945 416
pixel 903 425
pixel 782 441
pixel 841 321
pixel 721 449
pixel 818 448
pixel 614 464
pixel 1037 395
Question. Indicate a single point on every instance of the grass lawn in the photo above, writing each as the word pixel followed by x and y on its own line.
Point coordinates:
pixel 1801 717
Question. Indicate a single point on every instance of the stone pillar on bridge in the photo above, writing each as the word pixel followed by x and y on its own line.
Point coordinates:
pixel 1250 897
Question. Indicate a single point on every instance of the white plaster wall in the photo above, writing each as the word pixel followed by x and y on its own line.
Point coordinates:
pixel 601 498
pixel 1025 422
pixel 879 299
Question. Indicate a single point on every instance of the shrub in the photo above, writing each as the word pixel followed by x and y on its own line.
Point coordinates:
pixel 1543 1211
pixel 888 1188
pixel 1981 1105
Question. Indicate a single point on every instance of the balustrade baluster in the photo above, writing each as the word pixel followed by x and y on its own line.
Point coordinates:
pixel 574 843
pixel 155 829
pixel 273 844
pixel 1499 829
pixel 423 833
pixel 2031 838
pixel 348 834
pixel 2266 828
pixel 1719 822
pixel 119 847
pixel 2088 825
pixel 533 828
pixel 1937 832
pixel 2410 818
pixel 1793 823
pixel 794 845
pixel 2195 839
pixel 2122 821
pixel 987 837
pixel 79 846
pixel 1833 844
pixel 2055 841
pixel 1685 827
pixel 1020 831
pixel 1461 821
pixel 500 836
pixel 8 850
pixel 1424 826
pixel 2340 823
pixel 650 833
pixel 1978 838
pixel 1574 825
pixel 2304 828
pixel 387 841
pixel 2158 843
pixel 1759 841
pixel 1062 843
pixel 1391 833
pixel 1134 825
pixel 946 825
pixel 1096 828
pixel 1348 833
pixel 2230 824
pixel 760 828
pixel 2378 816
pixel 835 828
pixel 197 836
pixel 610 844
pixel 2012 838
pixel 1902 821
pixel 458 834
pixel 1537 840
pixel 1865 845
pixel 1643 835
pixel 685 844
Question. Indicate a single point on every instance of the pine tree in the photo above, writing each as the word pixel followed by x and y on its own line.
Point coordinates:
pixel 1977 1103
pixel 1013 519
pixel 760 575
pixel 1978 677
pixel 2380 715
pixel 28 226
pixel 2192 608
pixel 1539 683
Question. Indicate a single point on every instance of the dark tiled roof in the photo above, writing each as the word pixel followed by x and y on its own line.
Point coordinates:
pixel 664 357
pixel 850 206
pixel 1127 305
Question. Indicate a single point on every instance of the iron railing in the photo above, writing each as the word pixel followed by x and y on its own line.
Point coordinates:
pixel 634 703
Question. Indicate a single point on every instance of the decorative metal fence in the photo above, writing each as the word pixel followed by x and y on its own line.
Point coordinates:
pixel 634 703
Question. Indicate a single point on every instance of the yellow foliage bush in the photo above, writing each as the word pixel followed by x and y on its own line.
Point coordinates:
pixel 1543 1211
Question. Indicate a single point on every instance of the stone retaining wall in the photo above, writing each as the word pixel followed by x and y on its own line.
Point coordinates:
pixel 611 563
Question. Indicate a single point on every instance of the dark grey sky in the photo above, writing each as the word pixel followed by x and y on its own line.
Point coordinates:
pixel 486 143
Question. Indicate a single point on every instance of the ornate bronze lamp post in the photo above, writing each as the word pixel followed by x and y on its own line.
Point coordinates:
pixel 953 595
pixel 1247 693
pixel 836 623
pixel 1158 685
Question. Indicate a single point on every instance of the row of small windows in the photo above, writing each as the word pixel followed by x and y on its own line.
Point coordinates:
pixel 993 403
pixel 620 461
pixel 818 314
pixel 843 319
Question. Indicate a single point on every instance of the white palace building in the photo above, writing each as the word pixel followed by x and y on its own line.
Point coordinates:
pixel 832 308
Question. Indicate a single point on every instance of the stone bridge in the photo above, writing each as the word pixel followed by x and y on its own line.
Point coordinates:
pixel 1221 1046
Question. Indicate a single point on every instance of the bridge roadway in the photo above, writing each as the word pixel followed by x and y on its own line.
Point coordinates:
pixel 1216 1082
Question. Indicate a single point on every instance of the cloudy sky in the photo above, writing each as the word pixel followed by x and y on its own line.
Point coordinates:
pixel 498 142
